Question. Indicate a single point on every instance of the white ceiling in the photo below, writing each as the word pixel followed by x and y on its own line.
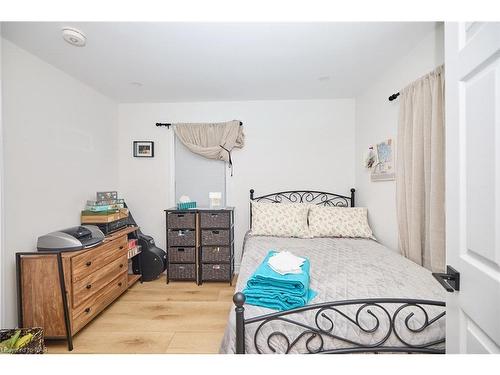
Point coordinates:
pixel 222 61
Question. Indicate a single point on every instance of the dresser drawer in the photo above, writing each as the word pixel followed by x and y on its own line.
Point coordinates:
pixel 215 220
pixel 215 254
pixel 92 260
pixel 89 286
pixel 182 254
pixel 182 271
pixel 88 310
pixel 181 238
pixel 181 220
pixel 220 272
pixel 214 237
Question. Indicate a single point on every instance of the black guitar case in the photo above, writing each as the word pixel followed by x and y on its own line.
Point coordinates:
pixel 152 260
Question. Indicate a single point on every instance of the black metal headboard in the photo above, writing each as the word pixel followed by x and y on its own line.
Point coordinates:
pixel 320 198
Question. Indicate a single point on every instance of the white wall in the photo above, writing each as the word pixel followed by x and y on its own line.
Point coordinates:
pixel 376 120
pixel 62 141
pixel 60 147
pixel 289 145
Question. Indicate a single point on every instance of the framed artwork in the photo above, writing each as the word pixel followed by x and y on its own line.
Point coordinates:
pixel 144 149
pixel 380 161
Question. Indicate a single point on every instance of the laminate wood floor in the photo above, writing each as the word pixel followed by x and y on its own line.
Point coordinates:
pixel 153 317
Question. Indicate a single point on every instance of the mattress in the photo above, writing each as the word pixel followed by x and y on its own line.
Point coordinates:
pixel 342 269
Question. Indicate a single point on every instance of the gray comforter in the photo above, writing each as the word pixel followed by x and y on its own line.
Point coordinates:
pixel 342 269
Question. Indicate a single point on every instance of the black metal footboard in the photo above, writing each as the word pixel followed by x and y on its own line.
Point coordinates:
pixel 314 336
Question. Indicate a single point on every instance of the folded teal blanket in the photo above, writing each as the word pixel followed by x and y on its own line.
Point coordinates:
pixel 277 300
pixel 269 289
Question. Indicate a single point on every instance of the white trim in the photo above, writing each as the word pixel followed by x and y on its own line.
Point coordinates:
pixel 2 220
pixel 227 184
pixel 171 192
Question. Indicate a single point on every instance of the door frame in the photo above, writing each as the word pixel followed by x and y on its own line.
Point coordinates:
pixel 466 61
pixel 2 218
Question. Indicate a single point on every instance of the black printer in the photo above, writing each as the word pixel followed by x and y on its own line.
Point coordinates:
pixel 71 239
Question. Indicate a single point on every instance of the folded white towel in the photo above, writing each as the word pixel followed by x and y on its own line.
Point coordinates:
pixel 295 271
pixel 285 262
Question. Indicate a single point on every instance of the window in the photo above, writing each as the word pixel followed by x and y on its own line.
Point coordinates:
pixel 196 176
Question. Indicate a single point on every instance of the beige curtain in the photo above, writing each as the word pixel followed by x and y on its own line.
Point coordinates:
pixel 211 140
pixel 420 171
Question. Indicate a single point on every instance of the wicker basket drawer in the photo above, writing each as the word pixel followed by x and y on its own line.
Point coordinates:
pixel 215 237
pixel 220 272
pixel 181 220
pixel 215 254
pixel 181 238
pixel 181 254
pixel 215 219
pixel 182 271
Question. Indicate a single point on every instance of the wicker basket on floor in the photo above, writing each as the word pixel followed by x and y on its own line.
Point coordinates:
pixel 35 346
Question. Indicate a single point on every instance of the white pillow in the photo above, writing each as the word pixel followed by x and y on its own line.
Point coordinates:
pixel 326 221
pixel 280 219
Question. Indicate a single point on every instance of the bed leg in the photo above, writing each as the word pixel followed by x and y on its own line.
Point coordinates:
pixel 239 301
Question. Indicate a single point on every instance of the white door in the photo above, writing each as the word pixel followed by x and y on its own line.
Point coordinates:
pixel 472 68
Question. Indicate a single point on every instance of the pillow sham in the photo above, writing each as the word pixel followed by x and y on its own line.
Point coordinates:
pixel 280 219
pixel 325 221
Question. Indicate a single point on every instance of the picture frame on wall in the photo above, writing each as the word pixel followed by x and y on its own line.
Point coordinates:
pixel 383 168
pixel 144 149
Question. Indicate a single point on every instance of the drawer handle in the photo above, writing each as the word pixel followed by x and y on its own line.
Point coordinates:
pixel 121 265
pixel 181 267
pixel 120 283
pixel 88 309
pixel 180 249
pixel 180 215
pixel 121 247
pixel 216 249
pixel 214 215
pixel 181 233
pixel 88 286
pixel 216 267
pixel 88 264
pixel 215 232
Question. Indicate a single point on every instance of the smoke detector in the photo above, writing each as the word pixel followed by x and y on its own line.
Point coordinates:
pixel 74 37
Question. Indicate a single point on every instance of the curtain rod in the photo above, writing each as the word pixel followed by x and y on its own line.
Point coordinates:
pixel 168 125
pixel 393 96
pixel 435 71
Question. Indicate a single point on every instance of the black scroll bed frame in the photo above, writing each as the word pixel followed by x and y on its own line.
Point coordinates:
pixel 315 333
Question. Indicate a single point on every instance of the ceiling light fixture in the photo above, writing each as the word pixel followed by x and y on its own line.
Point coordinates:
pixel 74 37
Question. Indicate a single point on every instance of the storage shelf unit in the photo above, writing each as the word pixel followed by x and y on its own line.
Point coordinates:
pixel 200 244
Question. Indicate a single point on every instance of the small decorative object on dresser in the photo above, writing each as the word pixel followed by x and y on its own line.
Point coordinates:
pixel 185 202
pixel 200 244
pixel 215 198
pixel 144 149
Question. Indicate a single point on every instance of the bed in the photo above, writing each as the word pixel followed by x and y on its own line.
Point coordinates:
pixel 370 299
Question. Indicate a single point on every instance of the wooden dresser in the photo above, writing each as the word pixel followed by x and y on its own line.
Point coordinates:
pixel 200 244
pixel 63 291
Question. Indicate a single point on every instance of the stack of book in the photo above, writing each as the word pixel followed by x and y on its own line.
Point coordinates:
pixel 133 247
pixel 106 208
